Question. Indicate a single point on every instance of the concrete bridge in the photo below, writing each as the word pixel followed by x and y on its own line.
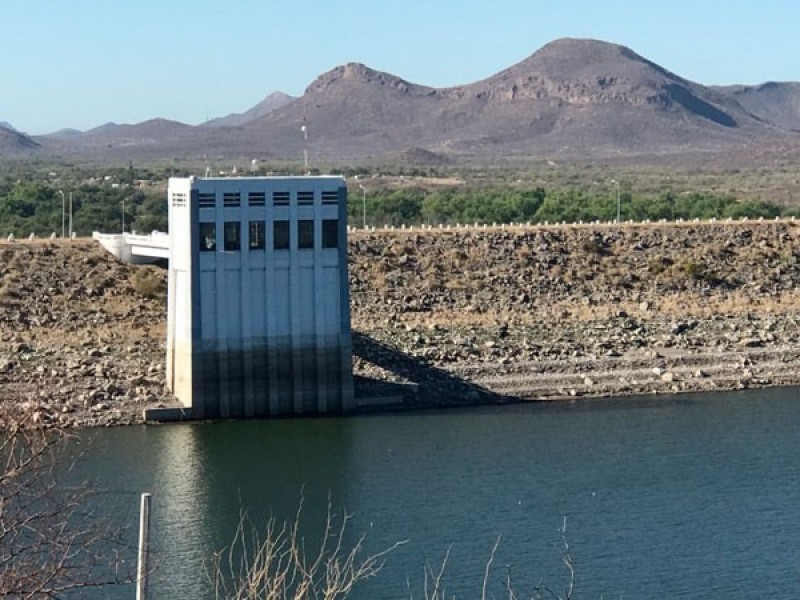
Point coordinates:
pixel 135 249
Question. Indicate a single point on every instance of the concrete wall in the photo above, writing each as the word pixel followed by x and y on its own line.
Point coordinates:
pixel 259 331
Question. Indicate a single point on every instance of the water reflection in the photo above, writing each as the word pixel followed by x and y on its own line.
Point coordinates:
pixel 204 476
pixel 664 496
pixel 181 510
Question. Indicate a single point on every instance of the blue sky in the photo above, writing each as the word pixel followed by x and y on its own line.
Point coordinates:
pixel 82 63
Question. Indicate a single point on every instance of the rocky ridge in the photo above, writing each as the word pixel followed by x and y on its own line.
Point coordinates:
pixel 571 100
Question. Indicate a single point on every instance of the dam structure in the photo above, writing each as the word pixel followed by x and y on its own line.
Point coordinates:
pixel 258 311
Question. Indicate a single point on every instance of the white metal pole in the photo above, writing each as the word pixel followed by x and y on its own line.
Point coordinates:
pixel 616 183
pixel 63 213
pixel 123 215
pixel 142 569
pixel 364 205
pixel 70 215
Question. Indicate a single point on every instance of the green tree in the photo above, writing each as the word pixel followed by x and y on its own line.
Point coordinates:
pixel 30 208
pixel 752 209
pixel 151 214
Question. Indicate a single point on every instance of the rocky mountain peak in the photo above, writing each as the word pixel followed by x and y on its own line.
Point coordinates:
pixel 575 54
pixel 580 71
pixel 356 72
pixel 584 72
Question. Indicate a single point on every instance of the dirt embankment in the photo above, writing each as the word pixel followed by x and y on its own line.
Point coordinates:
pixel 81 335
pixel 581 310
pixel 469 316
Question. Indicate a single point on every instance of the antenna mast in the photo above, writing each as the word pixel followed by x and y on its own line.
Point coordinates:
pixel 304 129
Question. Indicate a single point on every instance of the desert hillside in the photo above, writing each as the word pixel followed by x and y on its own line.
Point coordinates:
pixel 573 99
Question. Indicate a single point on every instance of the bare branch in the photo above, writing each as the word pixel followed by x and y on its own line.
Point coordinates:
pixel 275 565
pixel 567 559
pixel 51 540
pixel 489 567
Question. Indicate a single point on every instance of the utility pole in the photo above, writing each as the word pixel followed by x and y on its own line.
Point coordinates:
pixel 63 214
pixel 616 183
pixel 364 204
pixel 70 215
pixel 304 129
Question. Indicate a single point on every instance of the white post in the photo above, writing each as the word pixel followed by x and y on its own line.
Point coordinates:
pixel 63 214
pixel 70 215
pixel 616 183
pixel 142 569
pixel 364 205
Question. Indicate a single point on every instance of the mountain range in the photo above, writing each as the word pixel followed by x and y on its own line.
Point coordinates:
pixel 573 98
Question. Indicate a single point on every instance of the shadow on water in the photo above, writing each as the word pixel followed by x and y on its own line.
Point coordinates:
pixel 428 386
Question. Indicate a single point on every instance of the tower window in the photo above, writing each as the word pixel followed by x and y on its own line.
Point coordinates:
pixel 208 237
pixel 280 235
pixel 233 240
pixel 258 232
pixel 305 234
pixel 330 233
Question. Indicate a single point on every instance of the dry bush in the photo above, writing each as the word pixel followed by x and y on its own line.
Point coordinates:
pixel 277 565
pixel 51 540
pixel 695 270
pixel 148 283
pixel 434 584
pixel 8 293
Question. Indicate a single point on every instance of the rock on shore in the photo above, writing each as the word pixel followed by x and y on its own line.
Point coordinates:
pixel 443 317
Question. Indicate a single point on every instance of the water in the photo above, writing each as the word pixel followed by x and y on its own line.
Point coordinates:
pixel 671 497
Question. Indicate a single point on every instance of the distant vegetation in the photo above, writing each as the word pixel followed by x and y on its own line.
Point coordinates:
pixel 36 208
pixel 31 200
pixel 503 205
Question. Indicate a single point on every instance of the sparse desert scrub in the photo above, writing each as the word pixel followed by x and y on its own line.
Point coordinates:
pixel 148 283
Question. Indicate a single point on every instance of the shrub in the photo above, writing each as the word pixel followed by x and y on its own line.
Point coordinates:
pixel 148 283
pixel 695 270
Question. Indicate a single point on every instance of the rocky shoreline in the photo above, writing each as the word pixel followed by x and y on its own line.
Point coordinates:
pixel 440 317
pixel 554 312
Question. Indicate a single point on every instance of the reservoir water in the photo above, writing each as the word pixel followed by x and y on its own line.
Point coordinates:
pixel 691 496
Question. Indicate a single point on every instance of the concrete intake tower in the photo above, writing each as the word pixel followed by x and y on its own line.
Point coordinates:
pixel 258 312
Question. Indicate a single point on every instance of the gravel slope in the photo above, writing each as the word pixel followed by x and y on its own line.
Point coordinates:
pixel 455 316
